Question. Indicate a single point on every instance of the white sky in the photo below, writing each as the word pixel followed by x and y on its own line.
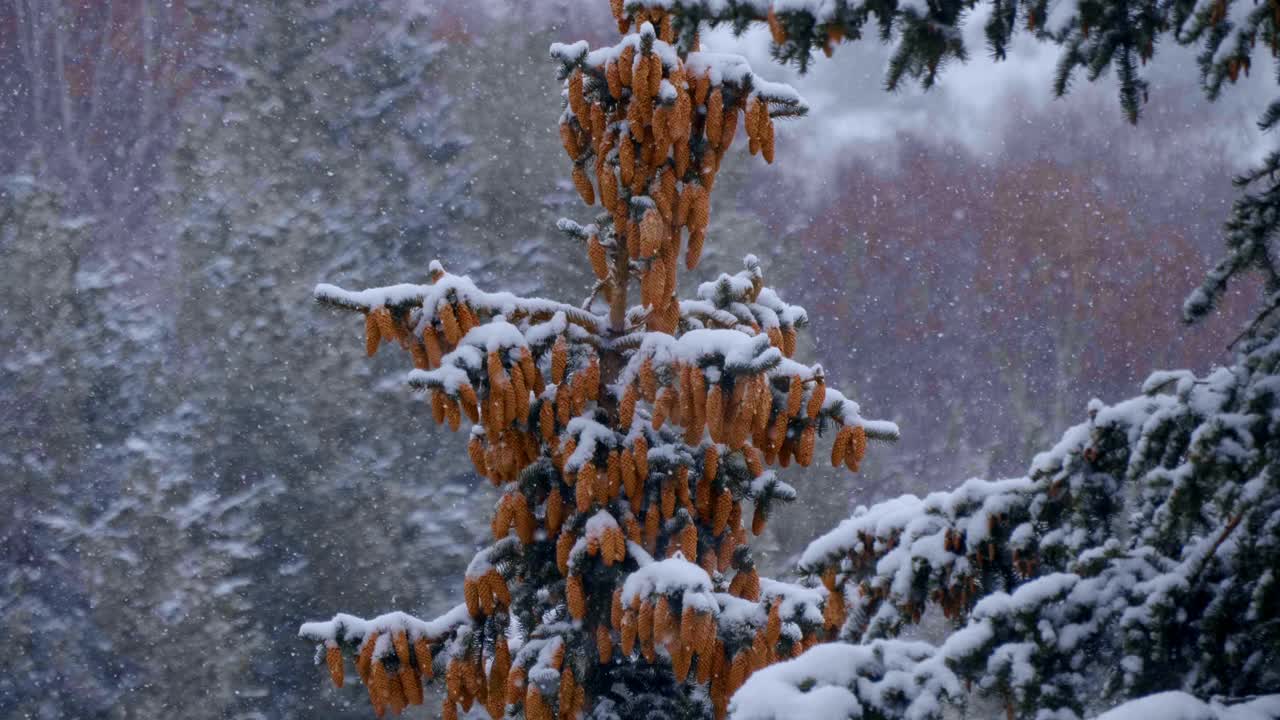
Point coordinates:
pixel 977 103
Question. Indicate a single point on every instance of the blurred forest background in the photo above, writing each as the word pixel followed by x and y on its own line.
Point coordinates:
pixel 193 452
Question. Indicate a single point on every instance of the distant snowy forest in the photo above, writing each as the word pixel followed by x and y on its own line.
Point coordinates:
pixel 193 459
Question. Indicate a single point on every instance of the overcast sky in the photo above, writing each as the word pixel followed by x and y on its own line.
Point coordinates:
pixel 977 104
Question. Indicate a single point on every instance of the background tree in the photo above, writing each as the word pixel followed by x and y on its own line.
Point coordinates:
pixel 193 601
pixel 60 375
pixel 329 123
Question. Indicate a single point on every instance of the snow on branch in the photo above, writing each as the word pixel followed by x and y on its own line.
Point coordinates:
pixel 349 629
pixel 886 678
pixel 1040 581
pixel 1176 705
pixel 450 289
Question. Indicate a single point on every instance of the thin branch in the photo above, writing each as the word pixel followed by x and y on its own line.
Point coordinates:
pixel 1222 537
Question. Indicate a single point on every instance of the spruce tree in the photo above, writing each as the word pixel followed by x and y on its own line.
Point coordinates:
pixel 1136 562
pixel 628 437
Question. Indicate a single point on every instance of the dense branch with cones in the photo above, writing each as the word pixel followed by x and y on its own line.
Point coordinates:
pixel 631 439
pixel 1094 35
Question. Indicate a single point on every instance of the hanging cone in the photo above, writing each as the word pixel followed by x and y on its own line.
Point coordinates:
pixel 645 630
pixel 365 659
pixel 585 487
pixel 651 287
pixel 728 128
pixel 631 481
pixel 715 117
pixel 833 612
pixel 710 464
pixel 577 101
pixel 387 326
pixel 569 141
pixel 841 445
pixel 469 402
pixel 767 140
pixel 616 610
pixel 816 398
pixel 689 542
pixel 808 438
pixel 775 28
pixel 535 706
pixel 608 189
pixel 662 620
pixel 422 652
pixel 789 340
pixel 651 528
pixel 666 195
pixel 629 628
pixel 431 341
pixel 372 334
pixel 701 86
pixel 449 321
pixel 410 686
pixel 640 448
pixel 379 687
pixel 857 448
pixel 582 184
pixel 758 519
pixel 795 396
pixel 693 254
pixel 667 499
pixel 715 413
pixel 681 480
pixel 626 160
pixel 681 120
pixel 725 557
pixel 699 208
pixel 652 231
pixel 568 694
pixel 720 516
pixel 333 658
pixel 599 257
pixel 559 359
pixel 575 597
pixel 564 545
pixel 604 645
pixel 475 448
pixel 515 685
pixel 748 585
pixel 555 511
pixel 613 78
pixel 626 62
pixel 682 158
pixel 466 318
pixel 754 460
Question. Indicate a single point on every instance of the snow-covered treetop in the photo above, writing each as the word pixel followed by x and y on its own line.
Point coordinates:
pixel 719 69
